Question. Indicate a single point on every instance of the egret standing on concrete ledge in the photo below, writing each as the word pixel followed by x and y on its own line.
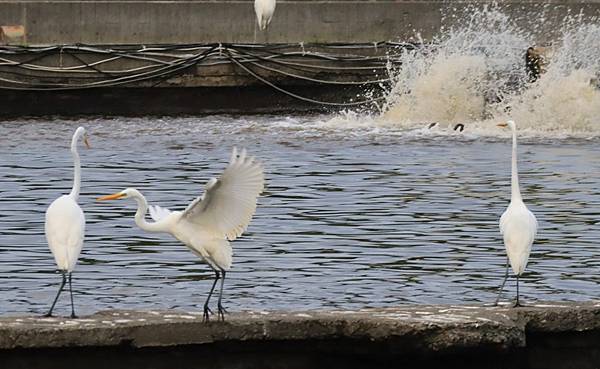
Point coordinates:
pixel 518 225
pixel 65 225
pixel 207 225
pixel 264 10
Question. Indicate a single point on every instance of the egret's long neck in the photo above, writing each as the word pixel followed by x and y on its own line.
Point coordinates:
pixel 515 192
pixel 140 216
pixel 76 168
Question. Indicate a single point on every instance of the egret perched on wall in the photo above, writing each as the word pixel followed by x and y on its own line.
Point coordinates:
pixel 264 10
pixel 207 225
pixel 65 225
pixel 517 225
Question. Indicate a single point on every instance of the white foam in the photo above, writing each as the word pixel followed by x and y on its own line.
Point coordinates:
pixel 476 75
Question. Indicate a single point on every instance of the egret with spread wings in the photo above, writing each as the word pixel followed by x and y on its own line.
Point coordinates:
pixel 207 225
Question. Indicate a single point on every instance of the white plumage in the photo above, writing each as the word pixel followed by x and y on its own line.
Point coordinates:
pixel 264 10
pixel 221 214
pixel 65 224
pixel 518 225
pixel 65 228
pixel 239 185
pixel 157 213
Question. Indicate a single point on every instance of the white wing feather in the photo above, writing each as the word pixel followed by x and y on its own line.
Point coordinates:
pixel 65 229
pixel 525 215
pixel 228 203
pixel 518 226
pixel 503 219
pixel 157 213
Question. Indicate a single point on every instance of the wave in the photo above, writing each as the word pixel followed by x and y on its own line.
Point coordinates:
pixel 475 75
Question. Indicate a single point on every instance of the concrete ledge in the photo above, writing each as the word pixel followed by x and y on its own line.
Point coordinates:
pixel 73 80
pixel 430 328
pixel 550 336
pixel 175 101
pixel 143 22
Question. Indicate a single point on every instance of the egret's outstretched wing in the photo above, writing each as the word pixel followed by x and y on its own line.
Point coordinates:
pixel 157 213
pixel 228 203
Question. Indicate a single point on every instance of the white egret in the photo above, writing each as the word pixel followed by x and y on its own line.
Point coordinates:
pixel 517 225
pixel 207 225
pixel 264 10
pixel 65 225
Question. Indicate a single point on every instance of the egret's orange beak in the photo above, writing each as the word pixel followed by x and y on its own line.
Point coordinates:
pixel 114 196
pixel 86 142
pixel 502 125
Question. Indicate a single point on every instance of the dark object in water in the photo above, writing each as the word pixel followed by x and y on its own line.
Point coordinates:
pixel 458 127
pixel 534 63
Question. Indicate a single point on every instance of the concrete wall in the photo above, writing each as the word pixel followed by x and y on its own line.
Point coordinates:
pixel 203 88
pixel 139 22
pixel 543 336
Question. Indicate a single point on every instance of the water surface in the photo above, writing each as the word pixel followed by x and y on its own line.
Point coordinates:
pixel 351 217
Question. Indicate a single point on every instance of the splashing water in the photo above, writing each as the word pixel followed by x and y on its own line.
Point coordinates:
pixel 567 97
pixel 446 90
pixel 449 79
pixel 475 74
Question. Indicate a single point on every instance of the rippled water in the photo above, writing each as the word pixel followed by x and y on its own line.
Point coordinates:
pixel 352 217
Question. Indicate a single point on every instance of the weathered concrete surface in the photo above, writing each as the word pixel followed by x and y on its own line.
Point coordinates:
pixel 429 328
pixel 438 328
pixel 542 336
pixel 210 86
pixel 66 65
pixel 139 22
pixel 214 90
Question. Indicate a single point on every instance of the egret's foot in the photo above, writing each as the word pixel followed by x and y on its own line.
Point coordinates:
pixel 47 315
pixel 207 313
pixel 222 312
pixel 73 316
pixel 517 304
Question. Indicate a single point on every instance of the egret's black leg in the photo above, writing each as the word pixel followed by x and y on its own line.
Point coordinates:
pixel 222 310
pixel 502 285
pixel 62 285
pixel 517 304
pixel 206 309
pixel 71 291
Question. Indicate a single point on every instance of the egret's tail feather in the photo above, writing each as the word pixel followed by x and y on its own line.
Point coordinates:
pixel 222 254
